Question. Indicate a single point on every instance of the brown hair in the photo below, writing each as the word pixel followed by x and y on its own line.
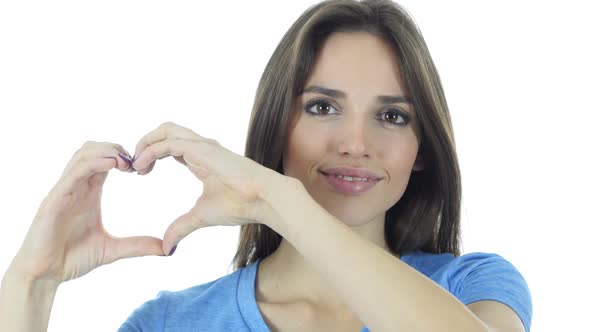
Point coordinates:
pixel 427 216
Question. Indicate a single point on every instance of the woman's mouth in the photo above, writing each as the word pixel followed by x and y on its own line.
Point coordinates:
pixel 348 185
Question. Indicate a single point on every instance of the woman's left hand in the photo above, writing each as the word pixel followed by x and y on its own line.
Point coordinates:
pixel 233 185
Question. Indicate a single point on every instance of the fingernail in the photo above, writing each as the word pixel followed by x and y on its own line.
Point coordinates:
pixel 127 161
pixel 172 250
pixel 124 157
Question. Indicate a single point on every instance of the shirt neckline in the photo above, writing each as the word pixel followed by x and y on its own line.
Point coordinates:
pixel 246 297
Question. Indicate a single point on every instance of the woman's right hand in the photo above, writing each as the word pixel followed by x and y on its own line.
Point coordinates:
pixel 67 239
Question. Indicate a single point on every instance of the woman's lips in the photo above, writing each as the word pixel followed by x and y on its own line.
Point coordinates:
pixel 348 187
pixel 351 171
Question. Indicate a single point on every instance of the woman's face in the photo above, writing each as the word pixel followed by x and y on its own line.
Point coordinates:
pixel 355 128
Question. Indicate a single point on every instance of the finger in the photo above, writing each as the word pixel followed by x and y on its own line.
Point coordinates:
pixel 134 246
pixel 92 149
pixel 180 160
pixel 90 167
pixel 128 162
pixel 199 156
pixel 99 179
pixel 199 172
pixel 79 175
pixel 180 228
pixel 164 131
pixel 168 147
pixel 147 170
pixel 150 167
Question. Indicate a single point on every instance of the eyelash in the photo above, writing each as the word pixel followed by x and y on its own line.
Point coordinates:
pixel 396 111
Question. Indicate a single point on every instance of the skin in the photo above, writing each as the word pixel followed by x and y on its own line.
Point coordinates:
pixel 363 66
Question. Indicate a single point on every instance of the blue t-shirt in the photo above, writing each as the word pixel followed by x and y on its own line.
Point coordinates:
pixel 229 303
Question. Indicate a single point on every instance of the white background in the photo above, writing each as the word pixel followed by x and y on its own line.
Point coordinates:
pixel 515 75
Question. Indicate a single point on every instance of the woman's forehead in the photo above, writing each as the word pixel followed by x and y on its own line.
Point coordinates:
pixel 357 61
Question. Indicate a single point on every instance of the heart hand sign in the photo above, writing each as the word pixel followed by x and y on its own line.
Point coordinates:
pixel 67 239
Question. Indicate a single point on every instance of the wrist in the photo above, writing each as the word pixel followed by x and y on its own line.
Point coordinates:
pixel 282 197
pixel 25 303
pixel 15 278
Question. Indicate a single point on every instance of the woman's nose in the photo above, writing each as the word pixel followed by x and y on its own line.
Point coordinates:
pixel 354 139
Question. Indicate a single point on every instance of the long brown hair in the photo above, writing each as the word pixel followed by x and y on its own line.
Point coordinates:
pixel 427 216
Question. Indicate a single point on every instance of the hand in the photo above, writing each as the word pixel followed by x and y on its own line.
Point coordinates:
pixel 66 239
pixel 233 185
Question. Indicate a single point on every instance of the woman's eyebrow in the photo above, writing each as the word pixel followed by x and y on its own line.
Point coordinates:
pixel 341 94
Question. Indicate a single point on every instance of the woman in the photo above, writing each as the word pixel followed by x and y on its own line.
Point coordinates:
pixel 348 199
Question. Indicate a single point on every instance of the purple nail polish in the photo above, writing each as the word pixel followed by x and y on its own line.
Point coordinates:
pixel 125 158
pixel 172 250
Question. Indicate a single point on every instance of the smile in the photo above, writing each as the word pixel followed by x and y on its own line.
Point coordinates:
pixel 349 185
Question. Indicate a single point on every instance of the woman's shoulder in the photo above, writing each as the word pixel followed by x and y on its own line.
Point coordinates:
pixel 431 263
pixel 221 284
pixel 210 305
pixel 478 276
pixel 470 272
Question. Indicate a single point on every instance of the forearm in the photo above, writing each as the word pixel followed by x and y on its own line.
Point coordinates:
pixel 25 306
pixel 385 293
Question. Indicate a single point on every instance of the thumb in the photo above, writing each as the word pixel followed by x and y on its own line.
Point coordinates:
pixel 134 246
pixel 181 228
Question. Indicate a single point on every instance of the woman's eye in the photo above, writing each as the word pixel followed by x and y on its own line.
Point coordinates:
pixel 318 108
pixel 393 116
